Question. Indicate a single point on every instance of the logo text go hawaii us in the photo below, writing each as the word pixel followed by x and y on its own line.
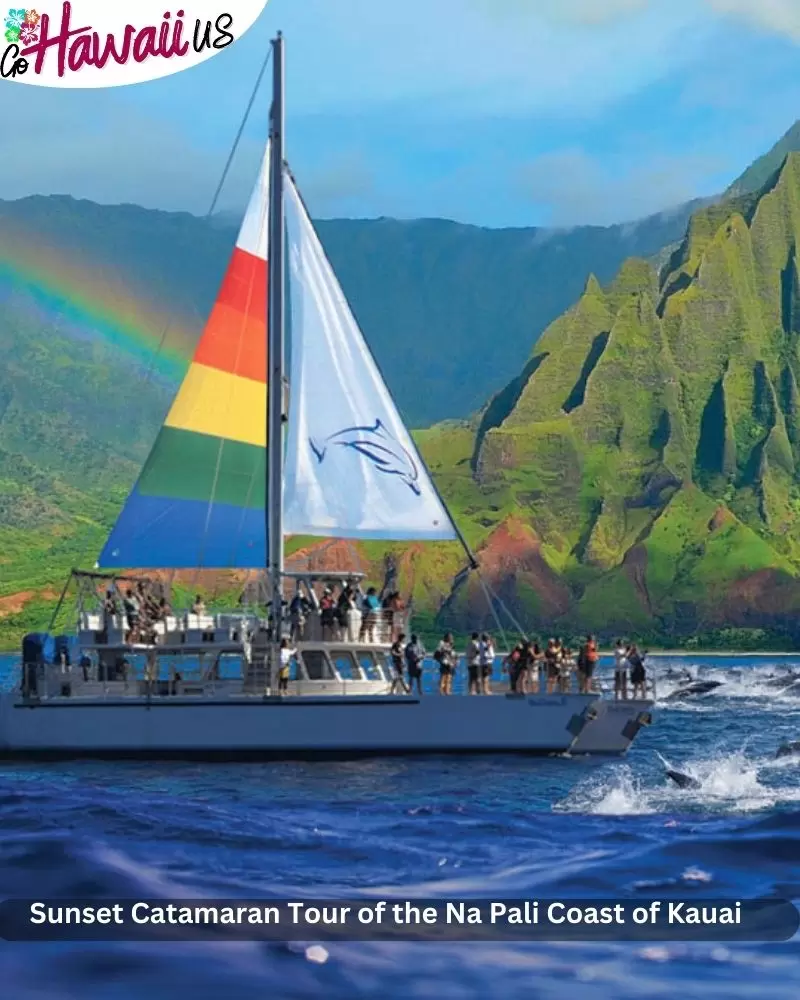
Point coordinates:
pixel 90 45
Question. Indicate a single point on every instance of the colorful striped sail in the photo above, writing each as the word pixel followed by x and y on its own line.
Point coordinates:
pixel 201 497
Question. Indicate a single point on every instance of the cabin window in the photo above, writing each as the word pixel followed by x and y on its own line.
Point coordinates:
pixel 316 664
pixel 346 666
pixel 369 666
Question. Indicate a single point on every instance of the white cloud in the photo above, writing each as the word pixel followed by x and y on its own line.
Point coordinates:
pixel 574 188
pixel 572 11
pixel 781 16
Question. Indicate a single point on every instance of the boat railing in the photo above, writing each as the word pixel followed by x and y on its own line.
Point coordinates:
pixel 379 627
pixel 44 685
pixel 375 628
pixel 316 669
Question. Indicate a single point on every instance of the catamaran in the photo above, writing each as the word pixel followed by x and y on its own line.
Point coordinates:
pixel 247 457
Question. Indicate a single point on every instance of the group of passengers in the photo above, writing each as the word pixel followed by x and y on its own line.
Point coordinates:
pixel 530 669
pixel 411 657
pixel 352 615
pixel 143 605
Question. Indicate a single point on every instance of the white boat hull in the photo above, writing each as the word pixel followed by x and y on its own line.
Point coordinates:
pixel 614 727
pixel 290 727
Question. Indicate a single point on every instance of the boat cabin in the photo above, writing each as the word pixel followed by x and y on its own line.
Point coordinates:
pixel 338 646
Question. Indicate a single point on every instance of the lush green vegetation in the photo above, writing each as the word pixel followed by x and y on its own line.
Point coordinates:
pixel 645 477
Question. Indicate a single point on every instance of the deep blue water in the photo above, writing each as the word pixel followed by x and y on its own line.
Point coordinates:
pixel 488 827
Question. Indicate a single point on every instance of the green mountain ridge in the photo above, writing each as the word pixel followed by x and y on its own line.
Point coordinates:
pixel 646 463
pixel 759 172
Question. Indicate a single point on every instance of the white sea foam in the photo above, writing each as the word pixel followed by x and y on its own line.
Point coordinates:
pixel 727 783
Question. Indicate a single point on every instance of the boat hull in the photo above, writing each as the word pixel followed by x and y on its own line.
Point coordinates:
pixel 290 727
pixel 614 727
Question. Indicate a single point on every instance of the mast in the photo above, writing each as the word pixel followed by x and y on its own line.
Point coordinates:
pixel 276 416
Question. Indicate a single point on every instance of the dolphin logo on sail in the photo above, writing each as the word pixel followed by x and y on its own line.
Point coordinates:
pixel 376 444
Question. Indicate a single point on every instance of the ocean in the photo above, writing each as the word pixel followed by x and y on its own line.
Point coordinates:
pixel 426 828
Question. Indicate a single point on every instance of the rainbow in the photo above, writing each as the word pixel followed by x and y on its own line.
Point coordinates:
pixel 83 300
pixel 200 500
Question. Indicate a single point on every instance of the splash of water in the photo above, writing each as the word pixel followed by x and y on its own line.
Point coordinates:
pixel 728 783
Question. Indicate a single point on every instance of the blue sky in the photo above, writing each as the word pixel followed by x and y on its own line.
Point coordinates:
pixel 494 112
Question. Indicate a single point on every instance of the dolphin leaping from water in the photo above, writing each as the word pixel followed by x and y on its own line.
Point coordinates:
pixel 681 779
pixel 376 444
pixel 695 688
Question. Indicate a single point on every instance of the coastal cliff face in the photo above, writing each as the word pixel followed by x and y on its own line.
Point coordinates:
pixel 643 471
pixel 640 474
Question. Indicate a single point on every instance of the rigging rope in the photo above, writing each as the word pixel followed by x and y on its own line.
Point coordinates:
pixel 503 606
pixel 495 615
pixel 242 125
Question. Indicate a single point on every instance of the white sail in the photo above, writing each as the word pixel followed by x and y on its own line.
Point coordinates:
pixel 352 470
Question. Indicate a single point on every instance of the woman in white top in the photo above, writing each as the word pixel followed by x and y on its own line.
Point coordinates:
pixel 486 659
pixel 354 618
pixel 445 656
pixel 287 655
pixel 620 671
pixel 473 657
pixel 565 670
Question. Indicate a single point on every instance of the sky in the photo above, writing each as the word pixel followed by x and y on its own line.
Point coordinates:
pixel 491 112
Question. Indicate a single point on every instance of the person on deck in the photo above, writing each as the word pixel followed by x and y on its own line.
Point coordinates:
pixel 514 666
pixel 85 664
pixel 131 606
pixel 587 661
pixel 638 673
pixel 566 668
pixel 199 607
pixel 620 671
pixel 551 655
pixel 110 611
pixel 328 616
pixel 415 656
pixel 151 606
pixel 371 612
pixel 536 681
pixel 397 655
pixel 298 613
pixel 287 655
pixel 393 607
pixel 486 663
pixel 473 656
pixel 445 656
pixel 353 617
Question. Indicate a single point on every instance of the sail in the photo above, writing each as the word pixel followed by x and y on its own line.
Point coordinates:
pixel 201 496
pixel 352 470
